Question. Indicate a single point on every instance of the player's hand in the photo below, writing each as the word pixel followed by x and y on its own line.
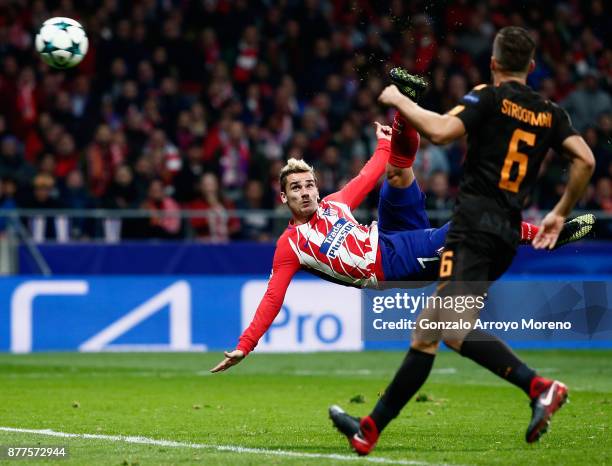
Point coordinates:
pixel 549 231
pixel 382 131
pixel 231 359
pixel 390 96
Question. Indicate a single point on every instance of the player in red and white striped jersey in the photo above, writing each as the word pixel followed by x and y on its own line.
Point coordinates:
pixel 324 238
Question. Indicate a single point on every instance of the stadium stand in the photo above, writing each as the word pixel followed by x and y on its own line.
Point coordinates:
pixel 189 98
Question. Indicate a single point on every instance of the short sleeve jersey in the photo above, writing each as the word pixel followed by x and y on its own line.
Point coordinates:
pixel 510 130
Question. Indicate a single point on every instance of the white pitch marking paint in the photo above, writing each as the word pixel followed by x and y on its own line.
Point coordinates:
pixel 201 446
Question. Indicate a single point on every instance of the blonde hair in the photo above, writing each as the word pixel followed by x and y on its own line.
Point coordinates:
pixel 294 166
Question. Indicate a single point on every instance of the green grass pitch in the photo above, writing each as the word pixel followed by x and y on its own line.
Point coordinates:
pixel 279 402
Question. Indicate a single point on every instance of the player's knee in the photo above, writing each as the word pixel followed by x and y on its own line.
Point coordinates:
pixel 430 347
pixel 394 174
pixel 399 177
pixel 453 343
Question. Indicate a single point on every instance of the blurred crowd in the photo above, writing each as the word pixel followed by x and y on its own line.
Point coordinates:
pixel 195 105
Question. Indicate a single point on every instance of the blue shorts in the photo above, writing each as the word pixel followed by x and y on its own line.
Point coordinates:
pixel 408 245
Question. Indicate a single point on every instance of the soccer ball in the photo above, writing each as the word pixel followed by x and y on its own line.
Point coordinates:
pixel 61 42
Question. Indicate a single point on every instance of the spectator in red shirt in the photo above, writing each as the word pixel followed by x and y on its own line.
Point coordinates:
pixel 216 224
pixel 162 223
pixel 67 157
pixel 100 161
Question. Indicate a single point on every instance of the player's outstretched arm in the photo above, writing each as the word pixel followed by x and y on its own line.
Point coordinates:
pixel 284 267
pixel 439 129
pixel 581 169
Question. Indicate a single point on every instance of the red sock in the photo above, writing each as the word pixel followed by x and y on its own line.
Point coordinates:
pixel 538 385
pixel 404 143
pixel 528 232
pixel 369 429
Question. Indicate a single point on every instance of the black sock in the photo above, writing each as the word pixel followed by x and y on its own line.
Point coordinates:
pixel 408 379
pixel 489 351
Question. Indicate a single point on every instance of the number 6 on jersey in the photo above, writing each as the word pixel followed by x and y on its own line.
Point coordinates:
pixel 514 156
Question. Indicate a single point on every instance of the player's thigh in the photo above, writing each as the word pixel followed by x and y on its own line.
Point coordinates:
pixel 466 258
pixel 472 261
pixel 503 259
pixel 401 209
pixel 409 255
pixel 465 268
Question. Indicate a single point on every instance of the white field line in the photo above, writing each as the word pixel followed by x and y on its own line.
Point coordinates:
pixel 347 372
pixel 223 448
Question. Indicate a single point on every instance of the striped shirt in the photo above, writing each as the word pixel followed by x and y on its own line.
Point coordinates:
pixel 332 245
